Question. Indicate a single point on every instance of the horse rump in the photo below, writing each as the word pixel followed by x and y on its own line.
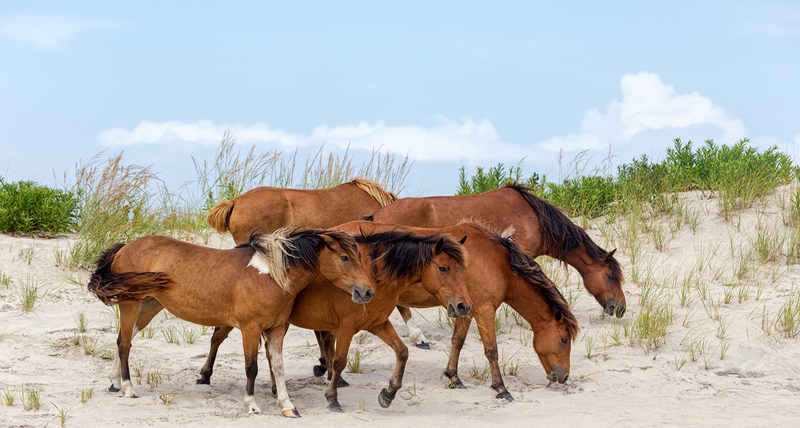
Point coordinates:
pixel 113 288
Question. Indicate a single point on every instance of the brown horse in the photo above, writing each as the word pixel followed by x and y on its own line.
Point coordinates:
pixel 502 273
pixel 270 208
pixel 400 259
pixel 251 287
pixel 539 228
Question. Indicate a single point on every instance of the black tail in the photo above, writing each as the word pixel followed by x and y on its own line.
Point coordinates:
pixel 113 288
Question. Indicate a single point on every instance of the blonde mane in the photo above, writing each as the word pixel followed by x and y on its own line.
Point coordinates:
pixel 271 254
pixel 375 191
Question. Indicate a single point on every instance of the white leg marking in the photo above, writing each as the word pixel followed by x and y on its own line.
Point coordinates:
pixel 116 372
pixel 252 407
pixel 127 389
pixel 415 334
pixel 276 360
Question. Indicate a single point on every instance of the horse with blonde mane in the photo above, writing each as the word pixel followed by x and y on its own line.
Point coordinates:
pixel 270 208
pixel 251 287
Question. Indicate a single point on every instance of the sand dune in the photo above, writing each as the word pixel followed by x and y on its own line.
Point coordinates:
pixel 683 382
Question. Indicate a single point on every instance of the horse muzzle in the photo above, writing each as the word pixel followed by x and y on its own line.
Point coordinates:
pixel 558 375
pixel 361 294
pixel 615 308
pixel 460 309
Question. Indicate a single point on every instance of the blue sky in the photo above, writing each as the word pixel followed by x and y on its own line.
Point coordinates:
pixel 446 83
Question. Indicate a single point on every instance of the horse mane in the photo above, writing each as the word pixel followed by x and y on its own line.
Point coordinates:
pixel 560 235
pixel 405 254
pixel 533 274
pixel 285 248
pixel 375 191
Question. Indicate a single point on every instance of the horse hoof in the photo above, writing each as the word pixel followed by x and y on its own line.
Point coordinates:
pixel 203 381
pixel 423 345
pixel 319 371
pixel 383 399
pixel 335 407
pixel 343 383
pixel 505 395
pixel 456 384
pixel 291 413
pixel 112 388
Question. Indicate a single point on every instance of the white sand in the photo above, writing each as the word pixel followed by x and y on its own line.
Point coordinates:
pixel 756 384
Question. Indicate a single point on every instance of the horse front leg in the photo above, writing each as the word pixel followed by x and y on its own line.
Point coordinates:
pixel 460 331
pixel 485 321
pixel 343 339
pixel 251 339
pixel 387 333
pixel 274 344
pixel 415 334
pixel 219 336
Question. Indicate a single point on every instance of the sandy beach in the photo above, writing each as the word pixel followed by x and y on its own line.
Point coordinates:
pixel 722 363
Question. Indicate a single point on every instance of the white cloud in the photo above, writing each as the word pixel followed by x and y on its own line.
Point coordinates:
pixel 647 104
pixel 449 140
pixel 46 31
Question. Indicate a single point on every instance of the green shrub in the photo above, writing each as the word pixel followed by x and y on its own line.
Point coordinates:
pixel 28 208
pixel 740 173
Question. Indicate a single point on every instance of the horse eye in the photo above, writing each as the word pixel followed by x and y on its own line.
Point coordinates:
pixel 564 340
pixel 345 258
pixel 442 269
pixel 610 276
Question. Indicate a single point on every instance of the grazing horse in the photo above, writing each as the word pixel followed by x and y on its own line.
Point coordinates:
pixel 400 259
pixel 269 208
pixel 498 272
pixel 539 228
pixel 251 287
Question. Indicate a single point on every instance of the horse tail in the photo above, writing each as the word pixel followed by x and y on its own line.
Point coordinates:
pixel 220 215
pixel 113 288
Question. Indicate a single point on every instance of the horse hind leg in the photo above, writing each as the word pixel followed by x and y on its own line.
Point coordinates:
pixel 415 334
pixel 147 310
pixel 121 377
pixel 219 336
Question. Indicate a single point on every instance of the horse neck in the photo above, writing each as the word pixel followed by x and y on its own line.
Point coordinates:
pixel 298 279
pixel 527 301
pixel 580 259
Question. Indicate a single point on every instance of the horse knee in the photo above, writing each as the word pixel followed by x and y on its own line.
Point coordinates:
pixel 491 354
pixel 402 353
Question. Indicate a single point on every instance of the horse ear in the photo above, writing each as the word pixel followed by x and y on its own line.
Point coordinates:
pixel 324 241
pixel 439 246
pixel 610 255
pixel 464 239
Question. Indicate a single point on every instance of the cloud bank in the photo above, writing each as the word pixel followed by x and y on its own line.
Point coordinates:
pixel 646 104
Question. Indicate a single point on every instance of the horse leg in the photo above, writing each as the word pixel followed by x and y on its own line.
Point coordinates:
pixel 485 321
pixel 323 365
pixel 274 345
pixel 460 331
pixel 220 334
pixel 387 333
pixel 415 334
pixel 128 314
pixel 339 362
pixel 251 339
pixel 273 388
pixel 328 346
pixel 147 310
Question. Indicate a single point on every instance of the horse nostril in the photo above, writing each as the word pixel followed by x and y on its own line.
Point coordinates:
pixel 620 311
pixel 462 308
pixel 369 293
pixel 565 378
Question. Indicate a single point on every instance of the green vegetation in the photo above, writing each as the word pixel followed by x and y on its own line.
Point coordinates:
pixel 30 209
pixel 740 173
